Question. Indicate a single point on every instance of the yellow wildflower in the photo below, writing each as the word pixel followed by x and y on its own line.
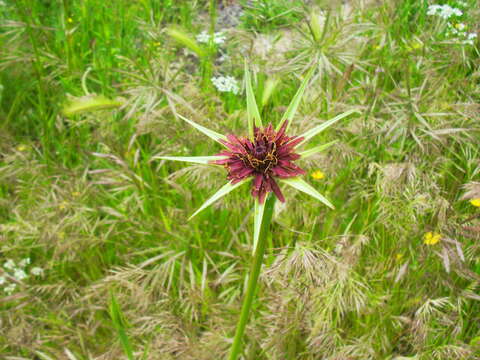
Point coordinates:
pixel 431 238
pixel 21 147
pixel 475 202
pixel 70 20
pixel 76 194
pixel 318 175
pixel 63 205
pixel 398 257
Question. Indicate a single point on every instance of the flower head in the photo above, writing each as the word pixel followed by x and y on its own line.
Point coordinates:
pixel 431 238
pixel 475 202
pixel 318 175
pixel 267 156
pixel 226 84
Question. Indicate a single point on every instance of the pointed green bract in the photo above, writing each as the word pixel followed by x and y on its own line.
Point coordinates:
pixel 224 190
pixel 318 129
pixel 253 115
pixel 257 222
pixel 192 159
pixel 210 133
pixel 293 106
pixel 301 185
pixel 307 153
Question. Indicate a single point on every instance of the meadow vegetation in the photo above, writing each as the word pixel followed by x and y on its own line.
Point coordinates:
pixel 97 258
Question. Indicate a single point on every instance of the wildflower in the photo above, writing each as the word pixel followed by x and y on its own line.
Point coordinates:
pixel 475 202
pixel 63 205
pixel 24 262
pixel 318 175
pixel 157 43
pixel 10 288
pixel 399 257
pixel 431 238
pixel 76 194
pixel 70 20
pixel 9 264
pixel 226 84
pixel 19 274
pixel 444 11
pixel 218 38
pixel 36 271
pixel 2 280
pixel 266 156
pixel 21 148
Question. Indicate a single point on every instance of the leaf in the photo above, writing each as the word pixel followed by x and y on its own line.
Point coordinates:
pixel 184 39
pixel 119 323
pixel 210 133
pixel 307 153
pixel 318 129
pixel 292 108
pixel 252 109
pixel 224 190
pixel 192 159
pixel 301 185
pixel 257 222
pixel 77 105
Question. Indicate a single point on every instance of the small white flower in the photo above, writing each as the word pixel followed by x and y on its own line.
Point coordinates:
pixel 36 271
pixel 2 280
pixel 203 37
pixel 444 11
pixel 472 36
pixel 24 262
pixel 10 288
pixel 19 274
pixel 9 264
pixel 226 84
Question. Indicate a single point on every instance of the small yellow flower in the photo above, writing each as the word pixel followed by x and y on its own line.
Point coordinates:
pixel 475 202
pixel 431 238
pixel 399 257
pixel 378 47
pixel 70 20
pixel 318 175
pixel 76 194
pixel 157 43
pixel 63 205
pixel 21 147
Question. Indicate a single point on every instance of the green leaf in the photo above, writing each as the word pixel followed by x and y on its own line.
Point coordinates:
pixel 318 129
pixel 192 159
pixel 252 109
pixel 119 323
pixel 292 108
pixel 77 105
pixel 224 190
pixel 307 153
pixel 210 133
pixel 184 39
pixel 301 185
pixel 257 222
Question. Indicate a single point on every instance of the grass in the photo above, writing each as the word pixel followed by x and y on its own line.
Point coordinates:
pixel 87 199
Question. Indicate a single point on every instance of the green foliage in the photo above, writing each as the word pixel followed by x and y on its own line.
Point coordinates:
pixel 90 200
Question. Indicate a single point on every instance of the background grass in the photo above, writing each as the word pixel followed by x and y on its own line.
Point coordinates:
pixel 85 198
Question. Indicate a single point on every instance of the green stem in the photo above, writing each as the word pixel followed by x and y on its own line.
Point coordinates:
pixel 253 279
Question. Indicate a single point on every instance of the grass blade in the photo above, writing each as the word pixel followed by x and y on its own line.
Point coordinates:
pixel 184 39
pixel 119 323
pixel 301 185
pixel 78 105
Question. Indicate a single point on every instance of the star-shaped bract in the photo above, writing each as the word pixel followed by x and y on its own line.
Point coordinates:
pixel 266 156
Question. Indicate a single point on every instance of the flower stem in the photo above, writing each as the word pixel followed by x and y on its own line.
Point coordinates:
pixel 253 279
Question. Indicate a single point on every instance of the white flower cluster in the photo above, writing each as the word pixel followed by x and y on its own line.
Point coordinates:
pixel 226 84
pixel 17 272
pixel 218 37
pixel 444 11
pixel 460 30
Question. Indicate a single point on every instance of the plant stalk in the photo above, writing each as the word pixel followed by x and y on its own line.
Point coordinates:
pixel 253 279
